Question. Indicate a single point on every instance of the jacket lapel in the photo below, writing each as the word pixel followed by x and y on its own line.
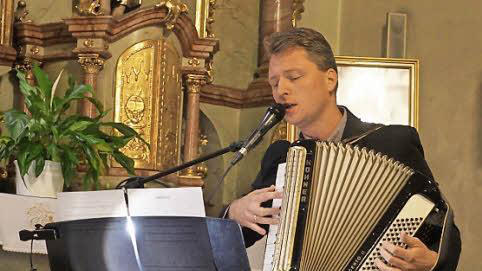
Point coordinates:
pixel 354 126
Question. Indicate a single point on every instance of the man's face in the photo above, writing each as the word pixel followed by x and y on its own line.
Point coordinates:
pixel 297 82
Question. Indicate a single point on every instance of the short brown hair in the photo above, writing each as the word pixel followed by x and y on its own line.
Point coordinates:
pixel 318 49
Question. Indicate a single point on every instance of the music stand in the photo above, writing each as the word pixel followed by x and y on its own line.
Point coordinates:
pixel 157 243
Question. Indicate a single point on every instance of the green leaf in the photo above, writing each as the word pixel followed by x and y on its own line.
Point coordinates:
pixel 104 158
pixel 124 161
pixel 53 152
pixel 125 130
pixel 69 163
pixel 76 93
pixel 16 123
pixel 44 84
pixel 92 157
pixel 26 89
pixel 6 147
pixel 86 179
pixel 89 139
pixel 27 154
pixel 104 147
pixel 79 125
pixel 39 165
pixel 97 104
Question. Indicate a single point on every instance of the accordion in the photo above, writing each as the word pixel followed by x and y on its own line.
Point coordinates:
pixel 341 201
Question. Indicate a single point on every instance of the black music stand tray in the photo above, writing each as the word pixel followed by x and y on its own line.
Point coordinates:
pixel 163 243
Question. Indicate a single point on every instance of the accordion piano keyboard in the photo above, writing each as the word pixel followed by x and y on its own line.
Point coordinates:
pixel 273 229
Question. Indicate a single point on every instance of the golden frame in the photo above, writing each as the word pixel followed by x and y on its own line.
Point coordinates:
pixel 7 23
pixel 410 103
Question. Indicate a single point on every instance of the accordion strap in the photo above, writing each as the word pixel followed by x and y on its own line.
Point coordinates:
pixel 356 138
pixel 444 244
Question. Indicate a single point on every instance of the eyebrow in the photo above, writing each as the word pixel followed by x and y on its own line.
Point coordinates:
pixel 285 72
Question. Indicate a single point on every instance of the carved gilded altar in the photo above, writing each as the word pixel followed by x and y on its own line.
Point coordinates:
pixel 148 98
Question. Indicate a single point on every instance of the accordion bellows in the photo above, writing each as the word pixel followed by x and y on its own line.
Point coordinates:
pixel 340 202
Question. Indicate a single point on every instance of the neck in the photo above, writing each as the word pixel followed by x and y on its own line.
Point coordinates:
pixel 324 126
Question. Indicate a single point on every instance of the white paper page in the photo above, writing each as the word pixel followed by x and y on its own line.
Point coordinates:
pixel 18 213
pixel 186 201
pixel 91 204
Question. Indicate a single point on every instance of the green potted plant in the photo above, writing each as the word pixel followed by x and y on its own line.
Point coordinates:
pixel 47 133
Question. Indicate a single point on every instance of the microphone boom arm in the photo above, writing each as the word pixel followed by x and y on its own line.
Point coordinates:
pixel 138 182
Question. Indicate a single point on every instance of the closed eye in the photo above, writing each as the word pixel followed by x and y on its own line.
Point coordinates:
pixel 294 78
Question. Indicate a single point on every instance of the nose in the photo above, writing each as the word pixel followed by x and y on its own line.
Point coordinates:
pixel 283 88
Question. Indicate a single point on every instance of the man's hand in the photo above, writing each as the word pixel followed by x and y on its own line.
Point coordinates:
pixel 247 211
pixel 416 257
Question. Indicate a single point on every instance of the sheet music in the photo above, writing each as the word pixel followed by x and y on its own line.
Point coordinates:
pixel 90 204
pixel 18 213
pixel 273 229
pixel 187 201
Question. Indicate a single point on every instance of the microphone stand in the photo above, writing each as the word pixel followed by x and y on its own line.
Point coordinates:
pixel 138 182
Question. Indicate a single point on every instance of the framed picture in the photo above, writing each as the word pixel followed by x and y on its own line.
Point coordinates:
pixel 378 90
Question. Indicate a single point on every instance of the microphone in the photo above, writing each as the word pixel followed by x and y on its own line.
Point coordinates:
pixel 273 116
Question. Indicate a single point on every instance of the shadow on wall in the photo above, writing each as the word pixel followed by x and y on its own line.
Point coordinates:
pixel 215 166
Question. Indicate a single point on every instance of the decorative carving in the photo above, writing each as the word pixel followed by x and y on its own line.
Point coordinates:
pixel 202 168
pixel 25 65
pixel 21 12
pixel 208 64
pixel 91 64
pixel 298 8
pixel 280 132
pixel 193 62
pixel 34 50
pixel 120 7
pixel 210 19
pixel 195 82
pixel 174 9
pixel 90 8
pixel 284 132
pixel 148 100
pixel 89 43
pixel 3 174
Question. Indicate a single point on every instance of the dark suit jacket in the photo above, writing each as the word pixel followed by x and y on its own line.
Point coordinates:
pixel 399 142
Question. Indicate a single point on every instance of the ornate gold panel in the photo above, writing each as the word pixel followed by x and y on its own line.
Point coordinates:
pixel 148 98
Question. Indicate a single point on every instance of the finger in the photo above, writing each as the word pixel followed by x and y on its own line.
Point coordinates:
pixel 268 211
pixel 262 197
pixel 410 240
pixel 397 251
pixel 267 220
pixel 262 190
pixel 383 267
pixel 394 261
pixel 255 227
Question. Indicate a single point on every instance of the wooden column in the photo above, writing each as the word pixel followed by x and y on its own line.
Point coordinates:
pixel 194 82
pixel 91 64
pixel 275 16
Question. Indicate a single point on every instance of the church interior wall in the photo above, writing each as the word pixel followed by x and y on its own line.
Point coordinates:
pixel 442 36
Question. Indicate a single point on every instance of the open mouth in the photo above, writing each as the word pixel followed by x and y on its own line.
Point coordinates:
pixel 288 106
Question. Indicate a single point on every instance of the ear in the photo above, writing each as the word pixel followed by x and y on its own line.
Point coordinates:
pixel 331 79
